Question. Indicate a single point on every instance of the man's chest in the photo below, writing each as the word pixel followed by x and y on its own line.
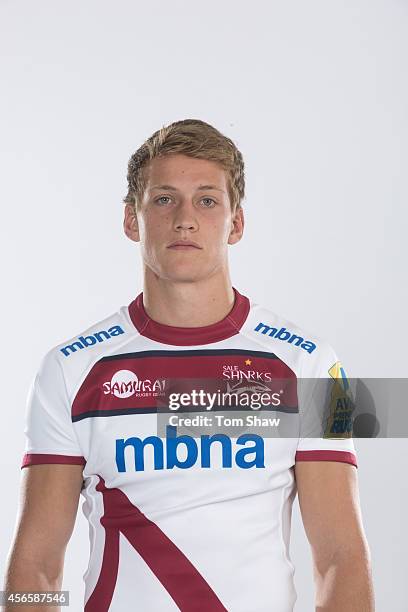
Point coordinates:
pixel 189 421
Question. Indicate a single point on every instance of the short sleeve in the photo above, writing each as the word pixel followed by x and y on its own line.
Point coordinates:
pixel 49 432
pixel 326 421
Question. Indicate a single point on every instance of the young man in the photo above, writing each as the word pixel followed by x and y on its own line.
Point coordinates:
pixel 178 523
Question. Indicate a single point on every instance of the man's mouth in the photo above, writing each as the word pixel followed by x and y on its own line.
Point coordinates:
pixel 184 244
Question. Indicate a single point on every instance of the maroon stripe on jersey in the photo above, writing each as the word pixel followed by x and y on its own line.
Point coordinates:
pixel 326 455
pixel 184 583
pixel 143 380
pixel 37 459
pixel 101 597
pixel 169 334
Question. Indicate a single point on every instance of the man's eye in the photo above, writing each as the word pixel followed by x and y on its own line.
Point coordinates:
pixel 163 198
pixel 208 200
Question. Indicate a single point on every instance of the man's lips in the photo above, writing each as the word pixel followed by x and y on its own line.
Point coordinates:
pixel 181 245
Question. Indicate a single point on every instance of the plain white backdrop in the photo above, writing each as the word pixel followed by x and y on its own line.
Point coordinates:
pixel 314 94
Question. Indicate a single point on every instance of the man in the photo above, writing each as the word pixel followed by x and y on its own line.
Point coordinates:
pixel 178 523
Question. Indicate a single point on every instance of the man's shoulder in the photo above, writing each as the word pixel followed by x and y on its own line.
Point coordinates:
pixel 80 351
pixel 110 330
pixel 296 344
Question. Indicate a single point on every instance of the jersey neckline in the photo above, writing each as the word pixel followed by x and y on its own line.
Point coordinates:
pixel 170 334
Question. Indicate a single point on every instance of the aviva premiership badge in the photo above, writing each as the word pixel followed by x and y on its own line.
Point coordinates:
pixel 339 423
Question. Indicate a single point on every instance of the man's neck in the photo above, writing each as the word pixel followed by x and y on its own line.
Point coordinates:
pixel 185 304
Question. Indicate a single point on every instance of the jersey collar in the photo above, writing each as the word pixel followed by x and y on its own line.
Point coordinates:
pixel 169 334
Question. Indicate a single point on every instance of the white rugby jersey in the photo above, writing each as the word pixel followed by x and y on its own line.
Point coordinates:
pixel 191 526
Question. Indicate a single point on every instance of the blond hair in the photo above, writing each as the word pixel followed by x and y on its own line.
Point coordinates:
pixel 194 138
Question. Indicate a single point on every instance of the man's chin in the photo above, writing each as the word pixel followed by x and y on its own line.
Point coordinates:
pixel 183 276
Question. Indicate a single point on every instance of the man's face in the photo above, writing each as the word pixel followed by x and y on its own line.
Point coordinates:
pixel 185 199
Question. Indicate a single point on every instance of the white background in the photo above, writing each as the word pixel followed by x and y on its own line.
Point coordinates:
pixel 315 96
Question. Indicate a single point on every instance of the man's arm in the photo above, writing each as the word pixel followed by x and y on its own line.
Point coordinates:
pixel 48 508
pixel 330 508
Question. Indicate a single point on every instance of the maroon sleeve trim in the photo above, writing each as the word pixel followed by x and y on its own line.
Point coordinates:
pixel 326 455
pixel 37 458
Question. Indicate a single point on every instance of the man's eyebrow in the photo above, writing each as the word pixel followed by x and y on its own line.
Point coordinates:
pixel 201 187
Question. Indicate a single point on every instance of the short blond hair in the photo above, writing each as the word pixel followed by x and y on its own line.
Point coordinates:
pixel 194 138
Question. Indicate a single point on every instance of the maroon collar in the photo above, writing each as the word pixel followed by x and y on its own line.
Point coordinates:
pixel 169 334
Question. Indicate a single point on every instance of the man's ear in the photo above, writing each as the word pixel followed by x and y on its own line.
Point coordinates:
pixel 237 229
pixel 130 223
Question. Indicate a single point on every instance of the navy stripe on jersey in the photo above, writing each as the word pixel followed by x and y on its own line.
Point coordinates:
pixel 188 353
pixel 155 410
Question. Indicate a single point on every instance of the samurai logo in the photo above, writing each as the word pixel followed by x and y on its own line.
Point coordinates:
pixel 125 383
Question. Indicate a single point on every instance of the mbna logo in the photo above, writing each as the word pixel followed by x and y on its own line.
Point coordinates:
pixel 284 334
pixel 165 455
pixel 85 341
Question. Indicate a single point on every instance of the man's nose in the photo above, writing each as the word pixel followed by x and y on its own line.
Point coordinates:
pixel 185 215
